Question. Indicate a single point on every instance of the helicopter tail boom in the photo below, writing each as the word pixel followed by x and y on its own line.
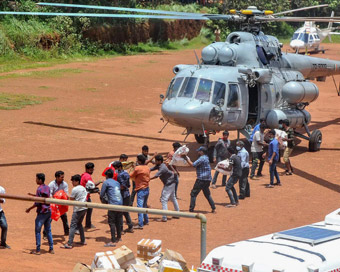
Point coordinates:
pixel 312 67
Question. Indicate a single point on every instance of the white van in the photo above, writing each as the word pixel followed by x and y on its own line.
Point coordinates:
pixel 311 248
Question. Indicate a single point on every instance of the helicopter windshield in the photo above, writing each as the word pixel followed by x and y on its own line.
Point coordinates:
pixel 233 99
pixel 204 90
pixel 219 93
pixel 295 35
pixel 188 87
pixel 174 87
pixel 303 37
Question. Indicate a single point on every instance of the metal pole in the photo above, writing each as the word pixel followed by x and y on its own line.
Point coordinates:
pixel 120 208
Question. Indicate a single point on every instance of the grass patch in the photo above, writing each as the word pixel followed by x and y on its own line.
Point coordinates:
pixel 42 74
pixel 92 90
pixel 43 87
pixel 18 101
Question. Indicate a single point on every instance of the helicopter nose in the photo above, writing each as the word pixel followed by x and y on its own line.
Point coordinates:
pixel 295 44
pixel 184 112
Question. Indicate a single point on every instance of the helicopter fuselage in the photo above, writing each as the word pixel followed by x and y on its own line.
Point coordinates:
pixel 241 81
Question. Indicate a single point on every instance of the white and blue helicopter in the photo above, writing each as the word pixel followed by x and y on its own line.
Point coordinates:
pixel 310 36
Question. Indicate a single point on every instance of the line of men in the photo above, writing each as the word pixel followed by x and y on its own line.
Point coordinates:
pixel 275 140
pixel 115 189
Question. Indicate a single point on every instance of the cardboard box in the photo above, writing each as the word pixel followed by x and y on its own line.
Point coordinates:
pixel 79 267
pixel 107 270
pixel 139 266
pixel 175 256
pixel 170 266
pixel 123 255
pixel 105 260
pixel 148 249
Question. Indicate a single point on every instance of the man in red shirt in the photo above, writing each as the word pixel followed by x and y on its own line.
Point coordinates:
pixel 85 178
pixel 141 175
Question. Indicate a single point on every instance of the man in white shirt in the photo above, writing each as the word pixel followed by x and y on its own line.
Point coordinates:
pixel 3 222
pixel 78 193
pixel 55 186
pixel 257 151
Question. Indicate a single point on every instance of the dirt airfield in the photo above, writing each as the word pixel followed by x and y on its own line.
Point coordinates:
pixel 111 106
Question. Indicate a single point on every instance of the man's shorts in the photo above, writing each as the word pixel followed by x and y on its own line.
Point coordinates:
pixel 286 154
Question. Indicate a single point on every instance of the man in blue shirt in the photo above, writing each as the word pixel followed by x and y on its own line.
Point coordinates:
pixel 112 189
pixel 203 172
pixel 273 158
pixel 256 128
pixel 124 181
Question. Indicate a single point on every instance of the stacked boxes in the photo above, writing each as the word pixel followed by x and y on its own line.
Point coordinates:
pixel 150 259
pixel 148 249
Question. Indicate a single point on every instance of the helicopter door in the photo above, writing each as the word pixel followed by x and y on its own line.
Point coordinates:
pixel 310 40
pixel 233 103
pixel 253 106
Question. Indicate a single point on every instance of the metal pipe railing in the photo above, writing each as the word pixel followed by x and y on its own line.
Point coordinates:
pixel 120 208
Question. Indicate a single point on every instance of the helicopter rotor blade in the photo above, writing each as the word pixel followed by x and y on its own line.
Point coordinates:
pixel 300 9
pixel 299 19
pixel 135 16
pixel 151 11
pixel 132 16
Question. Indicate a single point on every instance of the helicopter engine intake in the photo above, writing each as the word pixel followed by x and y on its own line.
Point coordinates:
pixel 295 92
pixel 297 118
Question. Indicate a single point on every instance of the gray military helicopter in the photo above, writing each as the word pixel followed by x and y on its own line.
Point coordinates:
pixel 238 81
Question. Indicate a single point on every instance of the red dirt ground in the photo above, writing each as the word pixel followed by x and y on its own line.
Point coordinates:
pixel 121 95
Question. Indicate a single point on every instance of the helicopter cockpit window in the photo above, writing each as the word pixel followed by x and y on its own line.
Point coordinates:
pixel 233 97
pixel 204 90
pixel 311 38
pixel 317 37
pixel 188 87
pixel 303 37
pixel 295 35
pixel 174 87
pixel 219 93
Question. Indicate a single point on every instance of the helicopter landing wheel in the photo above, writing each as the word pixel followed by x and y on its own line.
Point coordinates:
pixel 315 141
pixel 200 139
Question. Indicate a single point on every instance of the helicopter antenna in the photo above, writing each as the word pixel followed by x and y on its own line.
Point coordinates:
pixel 198 60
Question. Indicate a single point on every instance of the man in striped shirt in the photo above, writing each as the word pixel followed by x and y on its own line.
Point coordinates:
pixel 203 172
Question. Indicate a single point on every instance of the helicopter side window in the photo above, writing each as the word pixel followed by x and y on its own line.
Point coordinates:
pixel 311 39
pixel 233 97
pixel 204 90
pixel 262 55
pixel 188 87
pixel 174 87
pixel 219 93
pixel 317 37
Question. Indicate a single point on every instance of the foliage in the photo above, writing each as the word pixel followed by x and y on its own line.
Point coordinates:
pixel 45 38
